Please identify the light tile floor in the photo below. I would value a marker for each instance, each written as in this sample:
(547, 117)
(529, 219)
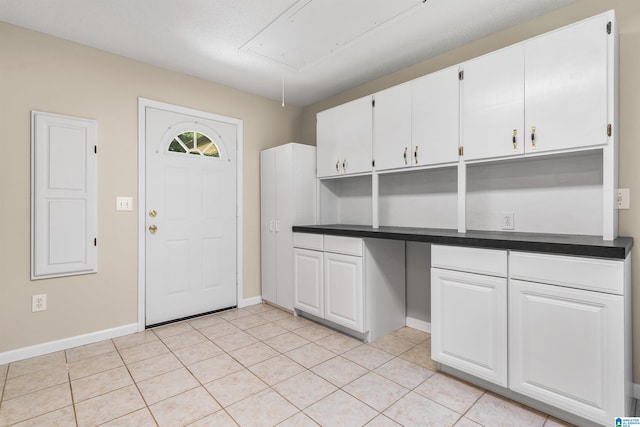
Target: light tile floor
(256, 366)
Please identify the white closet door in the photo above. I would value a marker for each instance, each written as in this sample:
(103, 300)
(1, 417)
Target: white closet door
(64, 195)
(285, 208)
(268, 223)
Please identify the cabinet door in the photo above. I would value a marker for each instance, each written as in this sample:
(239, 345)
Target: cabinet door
(344, 296)
(392, 128)
(435, 117)
(469, 323)
(566, 86)
(493, 104)
(566, 348)
(285, 206)
(268, 224)
(308, 281)
(344, 138)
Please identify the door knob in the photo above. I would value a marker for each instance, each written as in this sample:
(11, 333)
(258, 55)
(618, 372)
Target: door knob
(153, 229)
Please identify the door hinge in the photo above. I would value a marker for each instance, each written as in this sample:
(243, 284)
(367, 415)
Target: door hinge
(460, 151)
(95, 242)
(373, 102)
(461, 75)
(609, 27)
(609, 130)
(373, 163)
(95, 149)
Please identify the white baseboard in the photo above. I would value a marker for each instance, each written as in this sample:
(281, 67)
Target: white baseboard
(66, 343)
(420, 325)
(249, 301)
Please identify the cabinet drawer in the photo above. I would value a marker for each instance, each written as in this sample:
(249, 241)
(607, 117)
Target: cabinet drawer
(592, 274)
(308, 241)
(484, 261)
(343, 245)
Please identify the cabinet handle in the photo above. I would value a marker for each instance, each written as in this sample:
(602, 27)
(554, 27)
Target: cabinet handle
(533, 137)
(415, 155)
(338, 166)
(272, 225)
(344, 165)
(405, 155)
(515, 143)
(278, 226)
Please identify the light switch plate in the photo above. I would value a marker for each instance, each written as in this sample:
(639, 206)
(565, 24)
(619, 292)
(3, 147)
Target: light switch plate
(124, 203)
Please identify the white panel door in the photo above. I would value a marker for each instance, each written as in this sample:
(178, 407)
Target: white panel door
(566, 348)
(566, 86)
(493, 104)
(64, 196)
(344, 138)
(344, 293)
(308, 281)
(268, 224)
(191, 215)
(469, 323)
(392, 128)
(435, 117)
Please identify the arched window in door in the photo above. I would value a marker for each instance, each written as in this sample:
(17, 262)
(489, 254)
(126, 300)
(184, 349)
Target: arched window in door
(193, 142)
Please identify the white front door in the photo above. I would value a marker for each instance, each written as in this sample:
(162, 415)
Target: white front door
(190, 215)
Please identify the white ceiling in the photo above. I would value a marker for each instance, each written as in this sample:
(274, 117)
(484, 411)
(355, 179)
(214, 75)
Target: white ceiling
(317, 47)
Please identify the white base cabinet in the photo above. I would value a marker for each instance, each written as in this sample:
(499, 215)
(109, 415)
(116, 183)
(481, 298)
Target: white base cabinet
(568, 347)
(356, 285)
(287, 198)
(469, 313)
(568, 319)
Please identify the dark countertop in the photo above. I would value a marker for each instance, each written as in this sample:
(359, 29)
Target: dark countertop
(563, 244)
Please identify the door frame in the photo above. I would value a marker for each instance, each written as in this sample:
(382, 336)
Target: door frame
(143, 103)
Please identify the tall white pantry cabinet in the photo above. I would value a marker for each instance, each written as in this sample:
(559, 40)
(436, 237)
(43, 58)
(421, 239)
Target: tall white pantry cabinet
(288, 197)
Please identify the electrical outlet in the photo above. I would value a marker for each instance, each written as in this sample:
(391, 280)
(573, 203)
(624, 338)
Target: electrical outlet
(38, 302)
(622, 198)
(506, 221)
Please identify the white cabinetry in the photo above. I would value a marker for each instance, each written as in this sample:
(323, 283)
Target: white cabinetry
(435, 117)
(493, 104)
(344, 138)
(469, 311)
(567, 88)
(553, 92)
(392, 128)
(568, 346)
(288, 197)
(354, 284)
(416, 123)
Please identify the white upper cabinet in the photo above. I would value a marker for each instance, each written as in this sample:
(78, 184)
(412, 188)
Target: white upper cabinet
(493, 104)
(416, 123)
(345, 135)
(435, 117)
(566, 86)
(550, 93)
(392, 128)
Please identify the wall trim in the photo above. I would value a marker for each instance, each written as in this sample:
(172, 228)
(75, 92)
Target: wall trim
(66, 343)
(245, 302)
(420, 325)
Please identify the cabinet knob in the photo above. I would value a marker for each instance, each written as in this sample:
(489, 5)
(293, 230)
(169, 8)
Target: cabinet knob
(415, 155)
(344, 165)
(533, 137)
(515, 142)
(405, 155)
(338, 166)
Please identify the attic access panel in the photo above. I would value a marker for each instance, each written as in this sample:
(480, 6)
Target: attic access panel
(311, 30)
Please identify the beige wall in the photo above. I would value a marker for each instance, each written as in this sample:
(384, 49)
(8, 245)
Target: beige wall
(628, 19)
(38, 72)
